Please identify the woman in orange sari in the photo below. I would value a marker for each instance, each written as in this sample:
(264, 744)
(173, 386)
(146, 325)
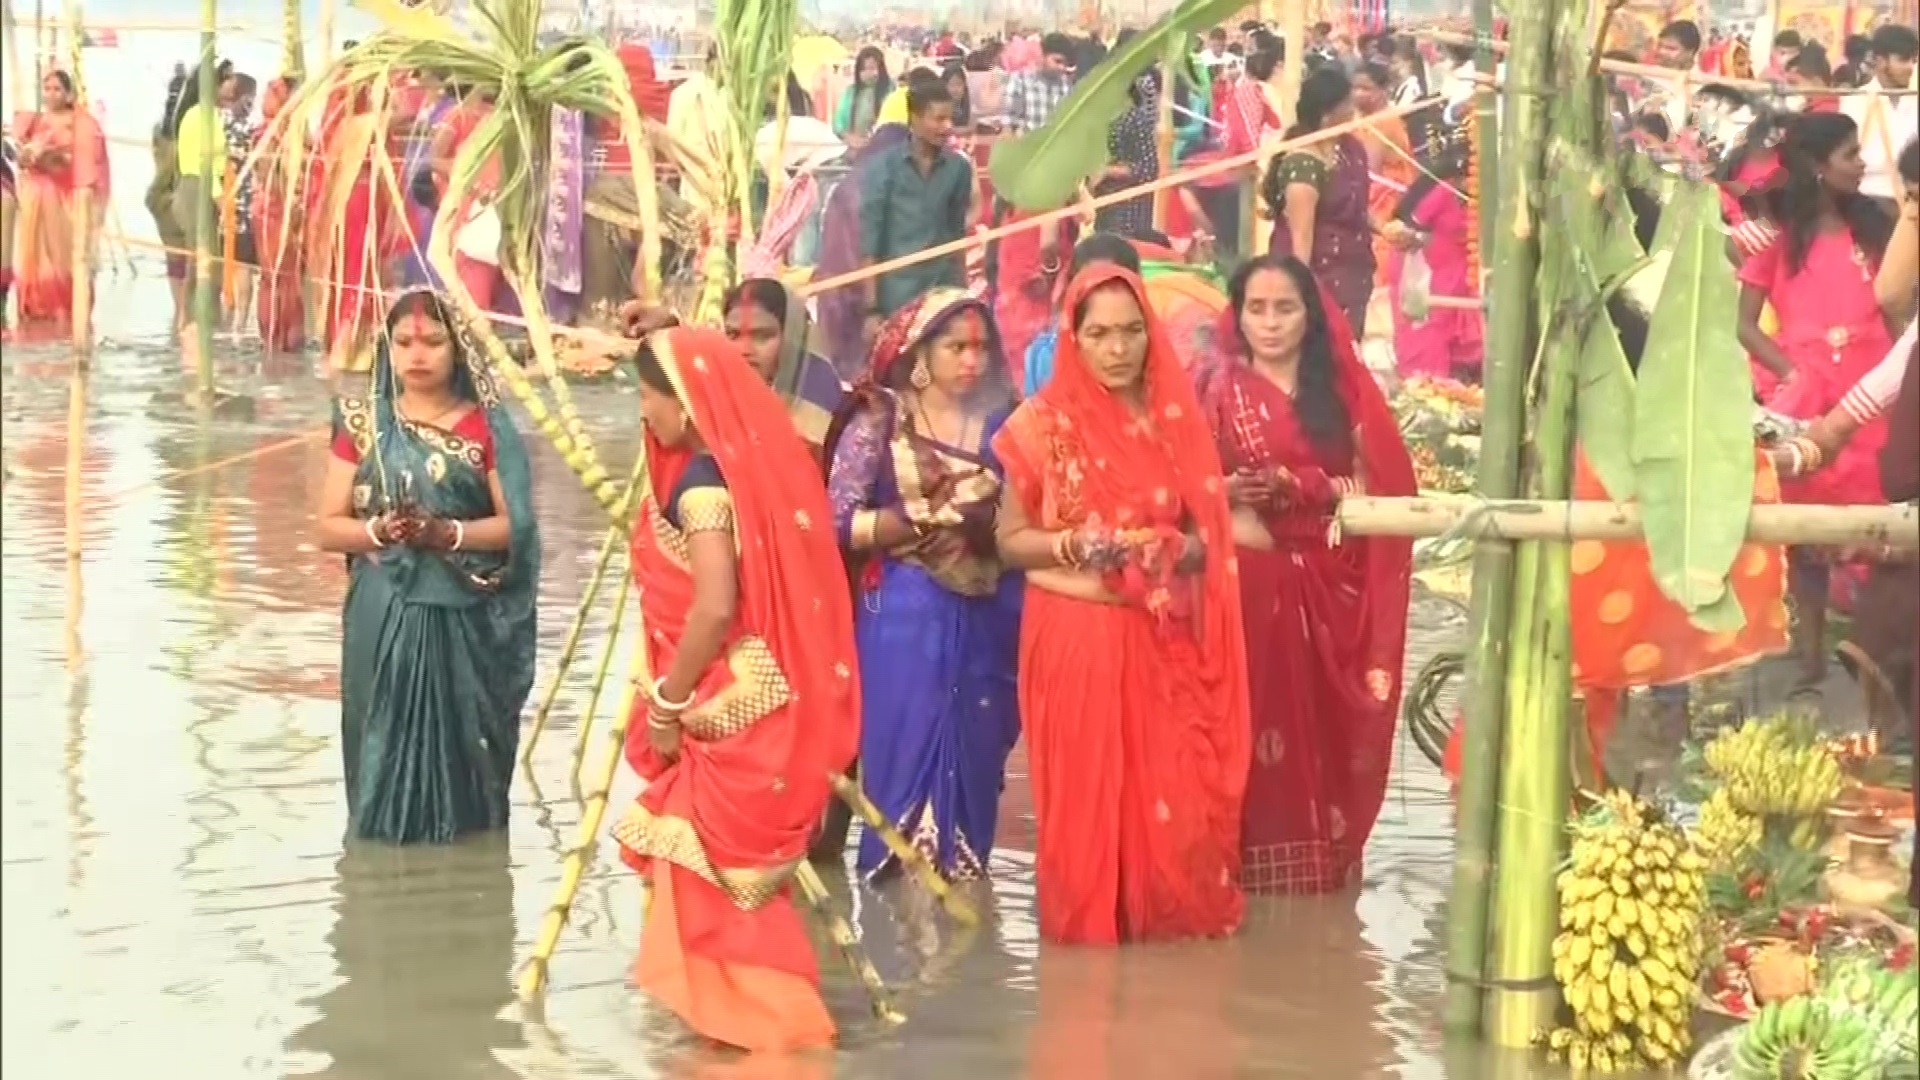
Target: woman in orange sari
(1389, 158)
(279, 307)
(1133, 671)
(61, 151)
(756, 701)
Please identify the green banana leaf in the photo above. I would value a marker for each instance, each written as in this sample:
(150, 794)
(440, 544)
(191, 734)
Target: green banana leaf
(1043, 169)
(1692, 435)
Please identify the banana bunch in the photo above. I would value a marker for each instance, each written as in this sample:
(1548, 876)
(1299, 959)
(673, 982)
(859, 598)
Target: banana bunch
(1810, 1038)
(1770, 769)
(1890, 999)
(1726, 834)
(1631, 906)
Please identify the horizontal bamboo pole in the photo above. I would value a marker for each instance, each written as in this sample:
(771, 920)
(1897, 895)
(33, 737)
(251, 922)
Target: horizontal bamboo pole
(1895, 527)
(1661, 74)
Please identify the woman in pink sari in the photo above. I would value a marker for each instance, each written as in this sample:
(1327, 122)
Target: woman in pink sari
(1433, 222)
(1818, 276)
(62, 152)
(1300, 423)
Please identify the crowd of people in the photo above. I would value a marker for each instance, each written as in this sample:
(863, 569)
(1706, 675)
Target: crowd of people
(962, 505)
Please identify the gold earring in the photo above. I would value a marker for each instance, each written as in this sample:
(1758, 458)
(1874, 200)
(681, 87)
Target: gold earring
(921, 376)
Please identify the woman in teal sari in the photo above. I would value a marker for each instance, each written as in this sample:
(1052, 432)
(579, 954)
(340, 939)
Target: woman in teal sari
(430, 498)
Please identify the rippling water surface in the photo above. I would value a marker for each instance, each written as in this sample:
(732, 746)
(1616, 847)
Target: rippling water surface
(178, 902)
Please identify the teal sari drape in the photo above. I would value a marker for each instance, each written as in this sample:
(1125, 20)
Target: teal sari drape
(438, 647)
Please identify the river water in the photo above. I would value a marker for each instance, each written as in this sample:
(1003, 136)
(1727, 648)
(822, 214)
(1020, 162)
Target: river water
(177, 893)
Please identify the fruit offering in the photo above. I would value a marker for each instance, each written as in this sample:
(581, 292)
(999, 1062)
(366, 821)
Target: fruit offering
(1860, 1026)
(1631, 904)
(1768, 768)
(1726, 834)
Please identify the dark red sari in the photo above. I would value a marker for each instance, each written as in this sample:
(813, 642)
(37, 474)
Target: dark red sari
(1321, 619)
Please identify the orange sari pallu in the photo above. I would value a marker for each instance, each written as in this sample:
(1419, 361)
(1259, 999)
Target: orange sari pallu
(719, 830)
(1132, 684)
(1627, 633)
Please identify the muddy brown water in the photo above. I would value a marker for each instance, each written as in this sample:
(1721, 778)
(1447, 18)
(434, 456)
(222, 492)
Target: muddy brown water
(178, 901)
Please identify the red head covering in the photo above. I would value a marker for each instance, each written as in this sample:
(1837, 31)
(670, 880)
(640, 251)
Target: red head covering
(1118, 462)
(753, 797)
(650, 95)
(1384, 467)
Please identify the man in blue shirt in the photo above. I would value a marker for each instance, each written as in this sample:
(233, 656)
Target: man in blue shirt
(917, 196)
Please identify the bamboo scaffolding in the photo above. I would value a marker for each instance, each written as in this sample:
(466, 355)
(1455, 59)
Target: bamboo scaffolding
(80, 220)
(608, 545)
(1897, 528)
(533, 977)
(592, 708)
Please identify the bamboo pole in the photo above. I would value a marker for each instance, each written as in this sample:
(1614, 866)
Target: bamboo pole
(203, 237)
(910, 857)
(572, 644)
(815, 892)
(293, 49)
(608, 545)
(1163, 132)
(1896, 528)
(10, 48)
(80, 220)
(1515, 251)
(599, 680)
(533, 977)
(1486, 138)
(325, 33)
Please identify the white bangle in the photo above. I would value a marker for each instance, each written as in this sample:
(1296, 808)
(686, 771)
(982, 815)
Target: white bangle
(660, 701)
(374, 536)
(459, 534)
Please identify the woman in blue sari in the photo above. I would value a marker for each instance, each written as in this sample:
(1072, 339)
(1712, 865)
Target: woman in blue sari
(430, 498)
(914, 487)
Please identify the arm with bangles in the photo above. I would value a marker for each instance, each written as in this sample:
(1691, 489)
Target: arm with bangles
(342, 532)
(708, 524)
(853, 483)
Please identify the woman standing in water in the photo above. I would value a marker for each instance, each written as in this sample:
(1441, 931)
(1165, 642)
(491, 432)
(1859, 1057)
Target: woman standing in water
(914, 488)
(755, 700)
(61, 151)
(1318, 195)
(1133, 671)
(430, 498)
(1300, 423)
(768, 322)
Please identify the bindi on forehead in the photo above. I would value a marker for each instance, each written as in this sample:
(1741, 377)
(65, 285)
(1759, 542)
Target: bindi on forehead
(419, 325)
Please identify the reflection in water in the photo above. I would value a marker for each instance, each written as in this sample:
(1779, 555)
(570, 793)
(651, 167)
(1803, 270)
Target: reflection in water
(423, 945)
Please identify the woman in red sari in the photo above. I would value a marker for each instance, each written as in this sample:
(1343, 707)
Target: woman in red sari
(756, 701)
(61, 151)
(279, 307)
(1300, 423)
(1133, 673)
(350, 233)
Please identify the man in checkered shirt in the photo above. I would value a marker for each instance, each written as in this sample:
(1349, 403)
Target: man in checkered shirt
(1033, 95)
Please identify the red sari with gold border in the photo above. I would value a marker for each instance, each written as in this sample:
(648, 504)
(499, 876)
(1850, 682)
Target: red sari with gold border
(721, 829)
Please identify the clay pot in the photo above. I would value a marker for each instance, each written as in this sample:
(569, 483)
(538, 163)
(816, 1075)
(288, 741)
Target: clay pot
(1869, 879)
(1778, 972)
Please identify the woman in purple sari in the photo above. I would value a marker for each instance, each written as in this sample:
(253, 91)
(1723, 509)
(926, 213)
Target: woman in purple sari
(914, 486)
(843, 312)
(1317, 196)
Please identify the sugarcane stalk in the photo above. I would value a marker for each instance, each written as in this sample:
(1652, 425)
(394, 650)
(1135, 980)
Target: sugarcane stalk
(911, 857)
(293, 49)
(592, 592)
(815, 892)
(1516, 252)
(599, 679)
(533, 977)
(1484, 167)
(80, 221)
(203, 284)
